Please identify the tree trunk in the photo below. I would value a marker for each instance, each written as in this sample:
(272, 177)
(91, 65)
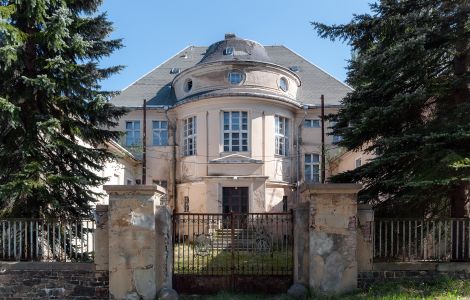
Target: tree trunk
(458, 209)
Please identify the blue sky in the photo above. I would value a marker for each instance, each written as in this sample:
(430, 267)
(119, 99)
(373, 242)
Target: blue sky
(155, 30)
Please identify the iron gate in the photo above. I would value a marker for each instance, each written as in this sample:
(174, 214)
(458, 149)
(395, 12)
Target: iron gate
(246, 252)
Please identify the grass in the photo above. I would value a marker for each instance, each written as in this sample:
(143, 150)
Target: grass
(442, 288)
(218, 261)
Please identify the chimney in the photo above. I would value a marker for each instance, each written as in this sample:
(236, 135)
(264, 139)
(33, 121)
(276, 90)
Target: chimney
(230, 36)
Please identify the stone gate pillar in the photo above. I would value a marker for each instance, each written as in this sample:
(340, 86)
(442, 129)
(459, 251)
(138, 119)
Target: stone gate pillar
(132, 241)
(332, 236)
(365, 250)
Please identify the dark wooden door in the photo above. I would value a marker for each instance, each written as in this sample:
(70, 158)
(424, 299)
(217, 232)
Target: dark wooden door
(235, 200)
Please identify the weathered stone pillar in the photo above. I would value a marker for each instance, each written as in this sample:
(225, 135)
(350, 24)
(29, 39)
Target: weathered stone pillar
(132, 241)
(365, 250)
(301, 244)
(332, 236)
(164, 247)
(101, 238)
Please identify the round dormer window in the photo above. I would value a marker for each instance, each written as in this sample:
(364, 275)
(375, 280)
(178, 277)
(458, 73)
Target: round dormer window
(283, 84)
(188, 85)
(235, 77)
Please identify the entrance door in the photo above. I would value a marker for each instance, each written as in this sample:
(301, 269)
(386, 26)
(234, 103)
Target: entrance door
(235, 200)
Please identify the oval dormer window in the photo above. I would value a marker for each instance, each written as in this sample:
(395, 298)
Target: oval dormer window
(283, 84)
(188, 85)
(228, 51)
(235, 77)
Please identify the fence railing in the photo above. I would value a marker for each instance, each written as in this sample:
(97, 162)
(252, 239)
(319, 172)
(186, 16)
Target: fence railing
(46, 240)
(421, 240)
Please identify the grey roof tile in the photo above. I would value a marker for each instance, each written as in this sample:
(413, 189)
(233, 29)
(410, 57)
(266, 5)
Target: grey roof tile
(155, 86)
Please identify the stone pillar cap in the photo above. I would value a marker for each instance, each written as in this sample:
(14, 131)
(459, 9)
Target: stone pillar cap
(331, 188)
(134, 189)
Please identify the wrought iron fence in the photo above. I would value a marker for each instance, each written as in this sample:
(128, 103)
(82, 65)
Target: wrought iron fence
(234, 243)
(46, 240)
(421, 240)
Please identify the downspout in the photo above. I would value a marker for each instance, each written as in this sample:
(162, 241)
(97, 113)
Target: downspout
(263, 126)
(323, 139)
(172, 127)
(207, 143)
(144, 145)
(299, 140)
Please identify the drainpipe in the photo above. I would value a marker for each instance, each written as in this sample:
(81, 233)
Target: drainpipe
(322, 139)
(144, 145)
(263, 127)
(207, 143)
(299, 165)
(172, 127)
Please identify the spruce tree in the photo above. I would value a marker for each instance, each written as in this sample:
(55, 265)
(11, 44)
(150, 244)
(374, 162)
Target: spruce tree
(54, 117)
(410, 105)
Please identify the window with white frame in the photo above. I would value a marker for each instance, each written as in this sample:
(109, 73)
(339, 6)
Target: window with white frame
(336, 138)
(189, 136)
(312, 123)
(312, 167)
(358, 162)
(282, 135)
(235, 131)
(160, 133)
(132, 133)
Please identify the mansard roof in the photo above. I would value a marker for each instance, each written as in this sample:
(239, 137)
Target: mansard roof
(155, 86)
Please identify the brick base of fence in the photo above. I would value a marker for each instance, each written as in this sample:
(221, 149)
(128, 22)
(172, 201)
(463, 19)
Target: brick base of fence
(389, 272)
(28, 281)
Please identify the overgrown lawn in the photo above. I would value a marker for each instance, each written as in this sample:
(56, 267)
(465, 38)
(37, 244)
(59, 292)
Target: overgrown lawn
(442, 288)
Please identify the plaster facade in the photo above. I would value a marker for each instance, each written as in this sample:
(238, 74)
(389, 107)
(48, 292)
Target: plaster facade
(277, 132)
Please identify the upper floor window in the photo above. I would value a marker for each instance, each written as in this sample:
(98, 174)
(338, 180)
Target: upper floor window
(189, 136)
(312, 123)
(282, 135)
(160, 133)
(358, 162)
(235, 131)
(132, 133)
(312, 167)
(336, 138)
(235, 77)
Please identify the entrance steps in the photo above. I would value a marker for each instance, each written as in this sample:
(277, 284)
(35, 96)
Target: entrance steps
(243, 239)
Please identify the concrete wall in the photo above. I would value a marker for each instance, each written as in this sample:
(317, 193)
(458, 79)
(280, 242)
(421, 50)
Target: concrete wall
(32, 280)
(332, 238)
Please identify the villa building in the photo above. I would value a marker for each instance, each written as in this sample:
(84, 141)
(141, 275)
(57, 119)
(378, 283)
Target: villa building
(231, 127)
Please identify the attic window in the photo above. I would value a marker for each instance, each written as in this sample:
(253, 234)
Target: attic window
(188, 85)
(175, 70)
(228, 51)
(235, 77)
(294, 68)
